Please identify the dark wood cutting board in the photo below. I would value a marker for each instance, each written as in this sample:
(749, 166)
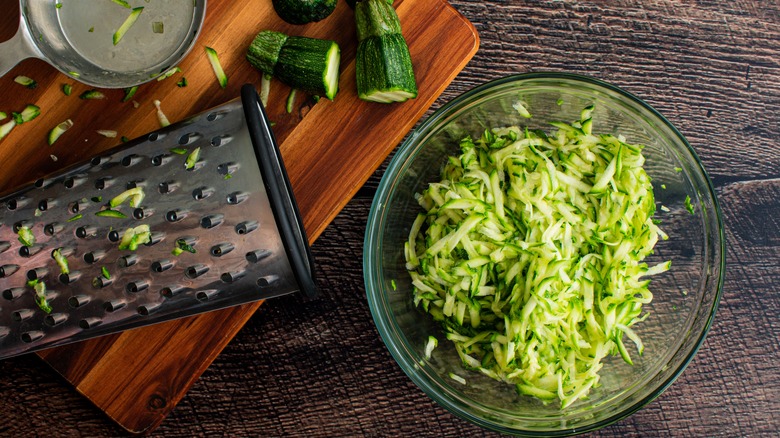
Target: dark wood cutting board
(330, 149)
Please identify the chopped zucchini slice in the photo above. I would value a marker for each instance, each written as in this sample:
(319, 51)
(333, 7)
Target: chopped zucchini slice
(58, 130)
(129, 22)
(26, 236)
(26, 81)
(217, 67)
(92, 95)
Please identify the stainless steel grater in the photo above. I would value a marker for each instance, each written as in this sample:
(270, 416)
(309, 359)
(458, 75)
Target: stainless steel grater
(223, 229)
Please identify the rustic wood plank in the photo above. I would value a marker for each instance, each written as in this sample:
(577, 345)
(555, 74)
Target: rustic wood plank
(318, 368)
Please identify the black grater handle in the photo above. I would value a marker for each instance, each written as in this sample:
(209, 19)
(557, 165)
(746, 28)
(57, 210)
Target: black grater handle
(280, 194)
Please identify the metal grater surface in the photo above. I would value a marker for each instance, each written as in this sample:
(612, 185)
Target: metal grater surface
(219, 207)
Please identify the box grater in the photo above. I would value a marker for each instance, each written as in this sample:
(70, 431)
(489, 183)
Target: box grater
(191, 218)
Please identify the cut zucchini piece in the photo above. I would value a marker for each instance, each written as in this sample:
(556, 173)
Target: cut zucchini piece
(161, 117)
(129, 22)
(40, 296)
(107, 133)
(304, 11)
(26, 236)
(123, 3)
(58, 130)
(26, 81)
(383, 64)
(192, 159)
(217, 67)
(129, 93)
(168, 73)
(6, 128)
(308, 64)
(135, 195)
(61, 260)
(67, 89)
(111, 213)
(28, 113)
(92, 95)
(290, 101)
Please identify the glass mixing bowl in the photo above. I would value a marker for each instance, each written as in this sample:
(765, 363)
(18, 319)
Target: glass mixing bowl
(685, 298)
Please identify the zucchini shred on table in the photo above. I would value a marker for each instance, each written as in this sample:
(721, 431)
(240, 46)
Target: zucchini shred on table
(530, 254)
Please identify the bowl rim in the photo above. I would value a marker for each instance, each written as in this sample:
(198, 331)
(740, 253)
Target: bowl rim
(371, 279)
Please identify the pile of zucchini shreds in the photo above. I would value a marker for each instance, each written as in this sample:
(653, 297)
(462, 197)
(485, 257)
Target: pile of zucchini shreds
(530, 254)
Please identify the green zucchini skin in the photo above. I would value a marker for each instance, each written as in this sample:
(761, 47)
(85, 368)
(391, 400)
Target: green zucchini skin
(304, 11)
(383, 65)
(308, 64)
(263, 53)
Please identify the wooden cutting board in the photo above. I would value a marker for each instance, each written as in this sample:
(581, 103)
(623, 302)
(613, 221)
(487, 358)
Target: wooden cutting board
(330, 149)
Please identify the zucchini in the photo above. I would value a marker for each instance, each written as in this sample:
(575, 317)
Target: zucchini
(58, 130)
(308, 64)
(511, 246)
(6, 128)
(211, 54)
(67, 89)
(304, 11)
(383, 65)
(27, 82)
(129, 22)
(161, 117)
(61, 260)
(3, 115)
(92, 95)
(351, 3)
(26, 236)
(28, 113)
(129, 93)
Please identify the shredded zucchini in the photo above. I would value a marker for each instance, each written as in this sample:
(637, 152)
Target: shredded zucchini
(530, 254)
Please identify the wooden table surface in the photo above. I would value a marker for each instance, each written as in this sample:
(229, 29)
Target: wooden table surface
(318, 367)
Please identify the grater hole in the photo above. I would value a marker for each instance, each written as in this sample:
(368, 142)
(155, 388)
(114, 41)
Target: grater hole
(237, 197)
(196, 271)
(212, 221)
(4, 246)
(70, 277)
(114, 305)
(220, 140)
(23, 223)
(88, 323)
(153, 136)
(4, 331)
(189, 138)
(32, 336)
(13, 293)
(103, 183)
(13, 204)
(268, 280)
(22, 315)
(55, 319)
(148, 309)
(37, 273)
(215, 116)
(137, 286)
(140, 213)
(227, 168)
(162, 265)
(128, 260)
(205, 295)
(101, 282)
(8, 270)
(257, 255)
(161, 159)
(77, 301)
(221, 249)
(167, 187)
(38, 183)
(44, 204)
(76, 206)
(155, 238)
(131, 160)
(175, 215)
(52, 229)
(96, 161)
(230, 277)
(86, 231)
(29, 251)
(171, 291)
(94, 256)
(202, 193)
(135, 184)
(73, 181)
(246, 227)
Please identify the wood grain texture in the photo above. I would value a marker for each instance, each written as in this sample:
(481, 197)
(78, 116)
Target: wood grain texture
(319, 369)
(137, 377)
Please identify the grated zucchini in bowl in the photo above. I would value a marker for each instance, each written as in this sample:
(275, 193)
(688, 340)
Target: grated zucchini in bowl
(530, 254)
